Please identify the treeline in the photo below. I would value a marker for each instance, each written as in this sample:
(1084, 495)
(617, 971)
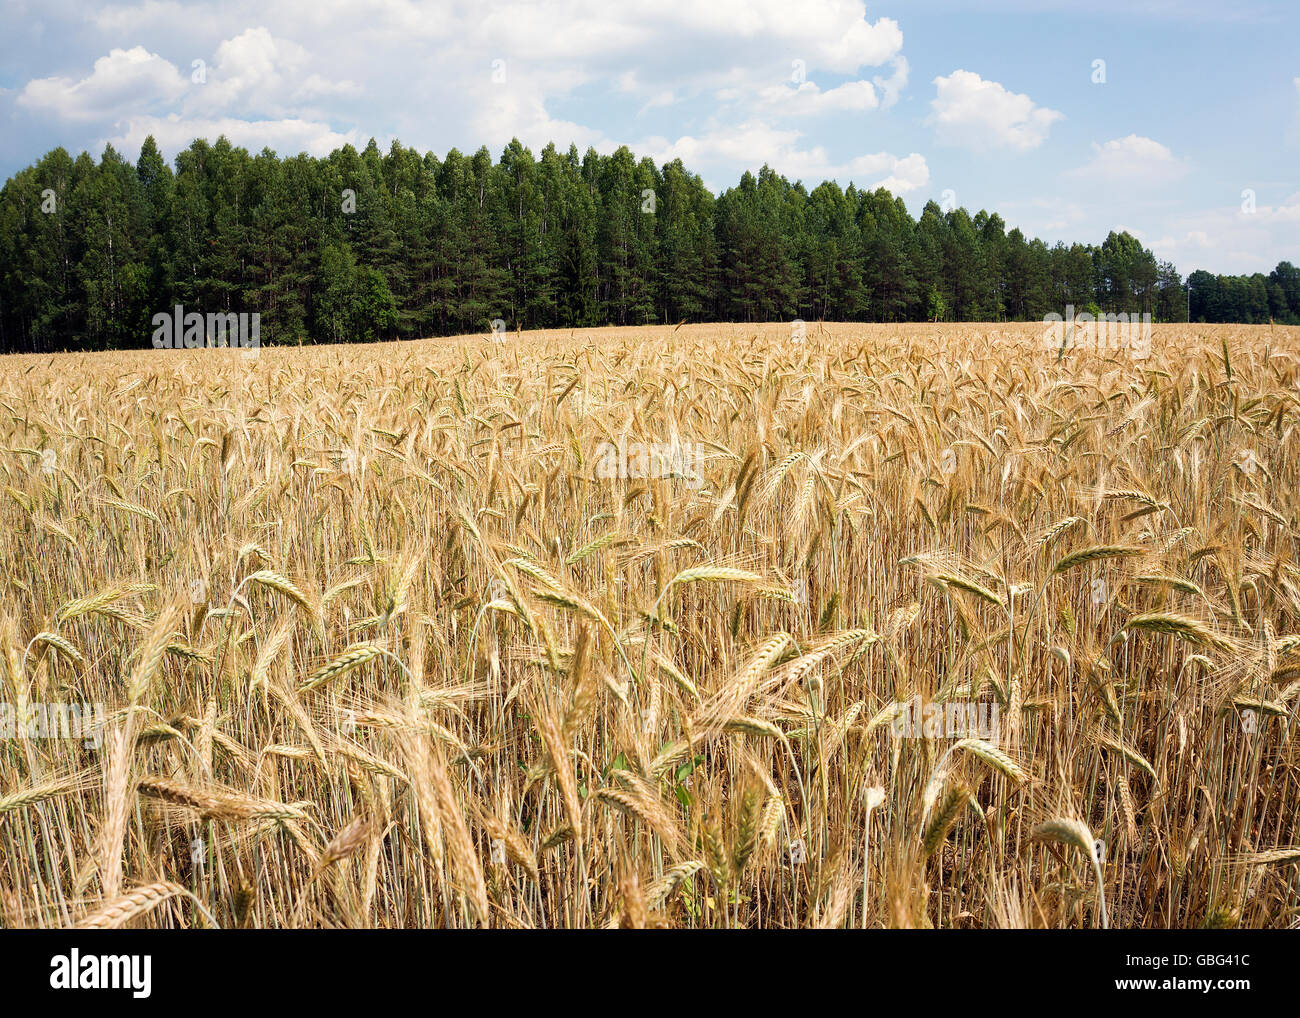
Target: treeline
(362, 246)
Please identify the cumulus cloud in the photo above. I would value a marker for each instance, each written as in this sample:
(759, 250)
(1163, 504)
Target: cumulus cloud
(507, 114)
(808, 99)
(253, 66)
(973, 113)
(125, 79)
(1132, 161)
(251, 90)
(909, 173)
(892, 87)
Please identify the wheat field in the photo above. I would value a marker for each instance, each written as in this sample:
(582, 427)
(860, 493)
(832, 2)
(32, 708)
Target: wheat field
(387, 636)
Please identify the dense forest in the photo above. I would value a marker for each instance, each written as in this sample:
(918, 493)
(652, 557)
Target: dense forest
(362, 246)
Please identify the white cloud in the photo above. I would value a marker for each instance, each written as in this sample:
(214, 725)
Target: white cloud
(252, 66)
(1163, 247)
(834, 35)
(258, 73)
(808, 99)
(1132, 161)
(754, 144)
(308, 74)
(893, 86)
(252, 73)
(664, 98)
(861, 44)
(315, 87)
(286, 137)
(505, 113)
(973, 113)
(126, 78)
(748, 145)
(909, 173)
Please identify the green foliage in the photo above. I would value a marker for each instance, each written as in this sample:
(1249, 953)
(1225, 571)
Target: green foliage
(936, 306)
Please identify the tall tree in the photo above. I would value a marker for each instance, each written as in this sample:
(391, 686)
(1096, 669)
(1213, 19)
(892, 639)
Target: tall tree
(366, 245)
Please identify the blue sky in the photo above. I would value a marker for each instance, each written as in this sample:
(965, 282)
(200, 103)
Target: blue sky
(991, 105)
